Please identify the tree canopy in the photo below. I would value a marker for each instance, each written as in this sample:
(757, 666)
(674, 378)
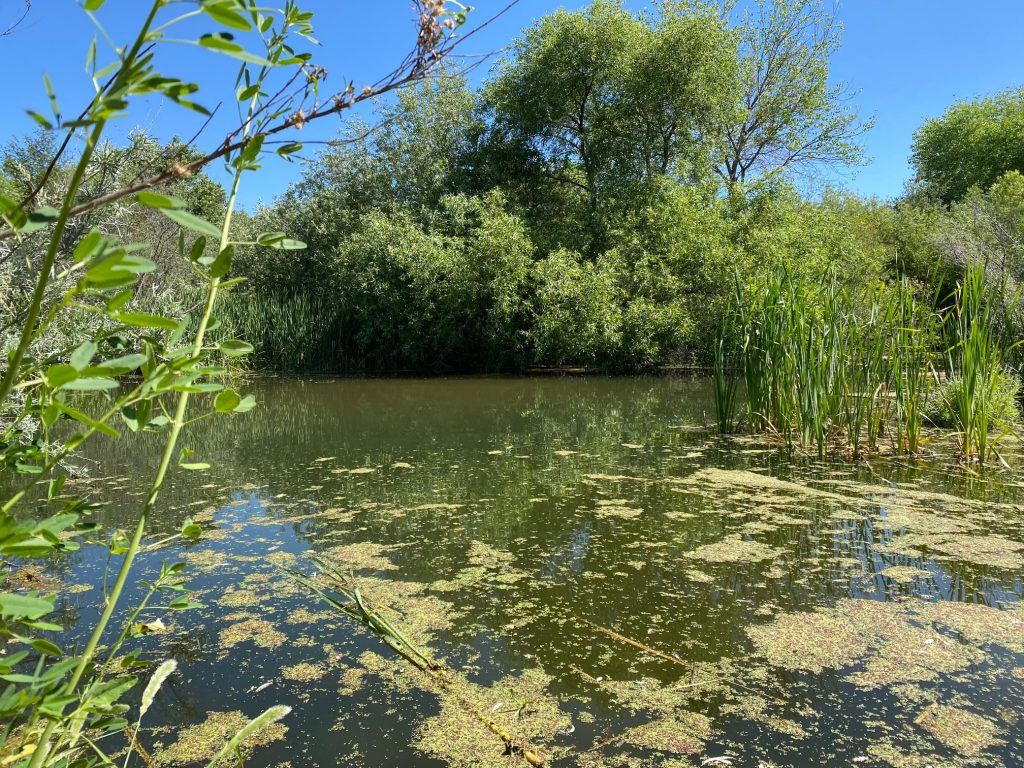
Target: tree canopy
(971, 145)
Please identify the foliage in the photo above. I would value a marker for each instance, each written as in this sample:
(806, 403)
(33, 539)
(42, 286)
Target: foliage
(601, 103)
(790, 116)
(1004, 401)
(447, 291)
(971, 145)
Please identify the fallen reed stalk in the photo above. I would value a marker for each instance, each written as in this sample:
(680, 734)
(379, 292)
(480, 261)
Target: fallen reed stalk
(359, 609)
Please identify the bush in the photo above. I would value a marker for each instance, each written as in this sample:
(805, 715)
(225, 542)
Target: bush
(1003, 403)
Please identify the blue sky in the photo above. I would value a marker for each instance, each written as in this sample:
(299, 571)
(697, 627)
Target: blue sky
(908, 60)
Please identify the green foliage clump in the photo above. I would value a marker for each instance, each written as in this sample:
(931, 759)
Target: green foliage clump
(1003, 401)
(970, 146)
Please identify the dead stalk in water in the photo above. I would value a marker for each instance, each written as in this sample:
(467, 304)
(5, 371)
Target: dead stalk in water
(360, 610)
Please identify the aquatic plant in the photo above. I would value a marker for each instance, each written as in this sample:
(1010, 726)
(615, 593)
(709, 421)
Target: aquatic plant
(977, 346)
(826, 370)
(726, 379)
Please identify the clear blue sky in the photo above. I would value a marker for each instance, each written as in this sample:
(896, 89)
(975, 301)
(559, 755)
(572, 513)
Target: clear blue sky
(909, 59)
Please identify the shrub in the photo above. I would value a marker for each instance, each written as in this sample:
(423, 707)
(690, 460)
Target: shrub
(1003, 401)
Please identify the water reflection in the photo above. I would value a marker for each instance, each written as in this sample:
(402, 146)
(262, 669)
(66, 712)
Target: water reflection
(532, 524)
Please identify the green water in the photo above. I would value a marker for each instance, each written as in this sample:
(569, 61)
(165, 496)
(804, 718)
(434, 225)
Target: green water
(612, 583)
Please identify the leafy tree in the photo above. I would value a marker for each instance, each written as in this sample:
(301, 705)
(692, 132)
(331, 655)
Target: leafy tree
(971, 145)
(601, 102)
(790, 117)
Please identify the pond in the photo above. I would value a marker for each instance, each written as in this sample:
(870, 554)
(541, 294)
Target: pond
(611, 582)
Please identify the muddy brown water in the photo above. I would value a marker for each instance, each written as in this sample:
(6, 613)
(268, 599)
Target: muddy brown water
(612, 583)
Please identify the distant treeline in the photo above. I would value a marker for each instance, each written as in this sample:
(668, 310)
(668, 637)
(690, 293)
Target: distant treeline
(595, 202)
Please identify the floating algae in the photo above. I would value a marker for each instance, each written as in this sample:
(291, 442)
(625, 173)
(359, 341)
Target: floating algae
(733, 549)
(710, 478)
(365, 555)
(617, 508)
(520, 704)
(967, 733)
(889, 642)
(304, 672)
(904, 574)
(196, 743)
(259, 631)
(680, 734)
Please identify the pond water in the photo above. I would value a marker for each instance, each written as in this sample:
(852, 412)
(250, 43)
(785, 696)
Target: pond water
(610, 581)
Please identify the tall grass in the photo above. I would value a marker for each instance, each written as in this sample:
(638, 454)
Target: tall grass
(828, 370)
(832, 372)
(290, 332)
(726, 381)
(977, 348)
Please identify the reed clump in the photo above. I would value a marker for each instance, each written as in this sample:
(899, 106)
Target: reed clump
(829, 371)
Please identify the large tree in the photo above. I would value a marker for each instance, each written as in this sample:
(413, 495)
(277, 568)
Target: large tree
(791, 117)
(602, 101)
(972, 145)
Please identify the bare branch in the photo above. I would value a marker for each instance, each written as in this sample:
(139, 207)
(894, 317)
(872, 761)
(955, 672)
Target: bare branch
(14, 25)
(434, 45)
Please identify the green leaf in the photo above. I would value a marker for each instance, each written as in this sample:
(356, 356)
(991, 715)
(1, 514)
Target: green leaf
(55, 703)
(222, 45)
(105, 695)
(235, 348)
(47, 125)
(118, 301)
(82, 356)
(24, 606)
(289, 149)
(197, 248)
(119, 269)
(226, 401)
(280, 241)
(45, 646)
(87, 420)
(222, 264)
(247, 93)
(58, 375)
(247, 404)
(191, 221)
(190, 529)
(154, 200)
(223, 13)
(87, 245)
(94, 5)
(40, 218)
(196, 466)
(119, 366)
(89, 384)
(119, 543)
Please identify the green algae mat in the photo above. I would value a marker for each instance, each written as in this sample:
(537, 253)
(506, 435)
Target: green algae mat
(605, 578)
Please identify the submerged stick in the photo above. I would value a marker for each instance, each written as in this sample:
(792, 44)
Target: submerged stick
(674, 659)
(635, 643)
(444, 678)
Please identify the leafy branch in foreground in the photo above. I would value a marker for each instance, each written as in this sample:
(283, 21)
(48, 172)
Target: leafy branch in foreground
(57, 708)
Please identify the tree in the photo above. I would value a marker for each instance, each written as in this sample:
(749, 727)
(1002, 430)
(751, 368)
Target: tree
(971, 145)
(601, 102)
(790, 116)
